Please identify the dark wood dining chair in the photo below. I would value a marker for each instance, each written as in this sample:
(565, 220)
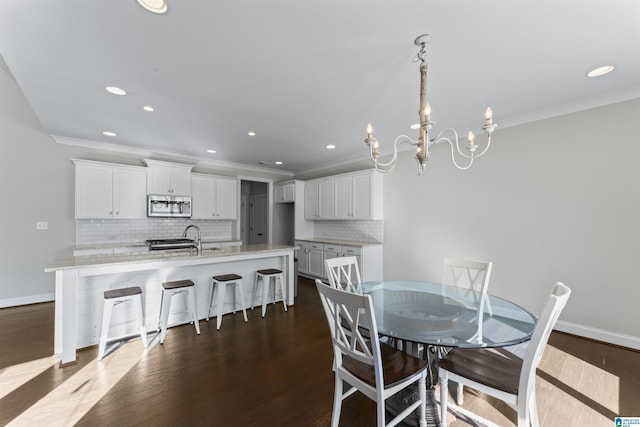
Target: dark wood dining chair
(375, 369)
(501, 374)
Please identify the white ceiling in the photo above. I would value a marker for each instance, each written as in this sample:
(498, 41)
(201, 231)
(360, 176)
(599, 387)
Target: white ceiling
(305, 74)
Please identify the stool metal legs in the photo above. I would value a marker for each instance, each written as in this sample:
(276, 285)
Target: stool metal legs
(165, 307)
(110, 302)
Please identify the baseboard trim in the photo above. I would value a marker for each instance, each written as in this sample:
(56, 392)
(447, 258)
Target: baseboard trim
(32, 299)
(599, 334)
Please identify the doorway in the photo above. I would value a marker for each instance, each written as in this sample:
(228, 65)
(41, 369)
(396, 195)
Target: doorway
(254, 212)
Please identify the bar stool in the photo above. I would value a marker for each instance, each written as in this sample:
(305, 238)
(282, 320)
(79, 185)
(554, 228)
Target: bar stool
(169, 289)
(266, 275)
(221, 282)
(111, 299)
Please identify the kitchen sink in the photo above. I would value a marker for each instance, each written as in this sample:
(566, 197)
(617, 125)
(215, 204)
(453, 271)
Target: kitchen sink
(164, 244)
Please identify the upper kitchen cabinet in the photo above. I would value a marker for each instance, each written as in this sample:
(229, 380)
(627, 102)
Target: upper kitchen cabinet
(359, 196)
(319, 199)
(109, 191)
(168, 178)
(352, 196)
(214, 197)
(285, 192)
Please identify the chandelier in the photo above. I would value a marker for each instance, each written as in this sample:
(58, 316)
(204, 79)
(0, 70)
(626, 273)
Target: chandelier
(424, 141)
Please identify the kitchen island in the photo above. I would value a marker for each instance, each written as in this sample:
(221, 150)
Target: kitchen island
(82, 280)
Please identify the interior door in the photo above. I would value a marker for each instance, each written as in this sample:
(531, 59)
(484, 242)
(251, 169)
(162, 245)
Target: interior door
(258, 230)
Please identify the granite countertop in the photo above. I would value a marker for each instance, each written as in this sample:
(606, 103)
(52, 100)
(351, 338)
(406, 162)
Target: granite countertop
(140, 244)
(155, 256)
(337, 242)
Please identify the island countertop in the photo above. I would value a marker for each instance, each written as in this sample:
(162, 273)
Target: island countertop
(88, 261)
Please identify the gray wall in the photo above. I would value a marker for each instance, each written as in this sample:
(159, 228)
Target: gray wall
(553, 200)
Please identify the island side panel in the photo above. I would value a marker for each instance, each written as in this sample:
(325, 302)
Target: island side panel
(65, 337)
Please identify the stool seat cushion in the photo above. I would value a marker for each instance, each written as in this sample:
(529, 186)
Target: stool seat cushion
(226, 277)
(177, 284)
(123, 292)
(269, 271)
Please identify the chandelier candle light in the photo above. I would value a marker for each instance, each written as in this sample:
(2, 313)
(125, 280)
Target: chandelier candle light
(423, 142)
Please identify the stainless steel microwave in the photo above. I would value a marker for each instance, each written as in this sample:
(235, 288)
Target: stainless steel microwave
(160, 205)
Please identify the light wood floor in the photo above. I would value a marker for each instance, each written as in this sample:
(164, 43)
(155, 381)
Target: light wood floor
(274, 371)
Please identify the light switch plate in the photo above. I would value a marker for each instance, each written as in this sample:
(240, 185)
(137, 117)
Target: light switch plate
(42, 225)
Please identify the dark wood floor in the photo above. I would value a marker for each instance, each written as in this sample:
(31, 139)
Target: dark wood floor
(276, 371)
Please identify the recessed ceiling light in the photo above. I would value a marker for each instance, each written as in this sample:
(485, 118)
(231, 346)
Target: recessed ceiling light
(147, 108)
(109, 133)
(330, 147)
(251, 133)
(415, 126)
(211, 151)
(115, 90)
(155, 6)
(600, 71)
(277, 163)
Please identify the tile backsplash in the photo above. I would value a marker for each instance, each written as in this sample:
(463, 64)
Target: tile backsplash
(100, 231)
(361, 231)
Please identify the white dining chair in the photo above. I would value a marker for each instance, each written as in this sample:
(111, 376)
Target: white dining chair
(470, 275)
(501, 374)
(375, 369)
(343, 273)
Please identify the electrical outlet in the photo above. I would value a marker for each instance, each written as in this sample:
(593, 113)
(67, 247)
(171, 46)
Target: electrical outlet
(42, 225)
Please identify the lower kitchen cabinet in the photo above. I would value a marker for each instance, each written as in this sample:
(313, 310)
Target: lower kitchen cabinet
(312, 254)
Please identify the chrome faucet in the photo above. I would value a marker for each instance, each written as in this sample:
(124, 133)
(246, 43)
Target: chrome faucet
(198, 241)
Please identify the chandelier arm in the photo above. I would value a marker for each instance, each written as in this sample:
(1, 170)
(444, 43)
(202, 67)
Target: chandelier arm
(485, 148)
(402, 139)
(438, 139)
(453, 154)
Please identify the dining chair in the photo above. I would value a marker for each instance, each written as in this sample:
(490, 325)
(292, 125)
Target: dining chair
(375, 369)
(343, 273)
(499, 373)
(470, 275)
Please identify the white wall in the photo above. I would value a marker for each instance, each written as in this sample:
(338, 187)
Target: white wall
(553, 200)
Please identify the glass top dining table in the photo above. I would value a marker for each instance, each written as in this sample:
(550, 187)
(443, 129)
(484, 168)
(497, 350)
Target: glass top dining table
(446, 316)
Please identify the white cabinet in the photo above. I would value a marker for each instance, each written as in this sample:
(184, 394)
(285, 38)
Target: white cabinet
(312, 255)
(319, 200)
(168, 178)
(316, 259)
(359, 196)
(310, 258)
(285, 192)
(302, 255)
(109, 191)
(353, 196)
(214, 197)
